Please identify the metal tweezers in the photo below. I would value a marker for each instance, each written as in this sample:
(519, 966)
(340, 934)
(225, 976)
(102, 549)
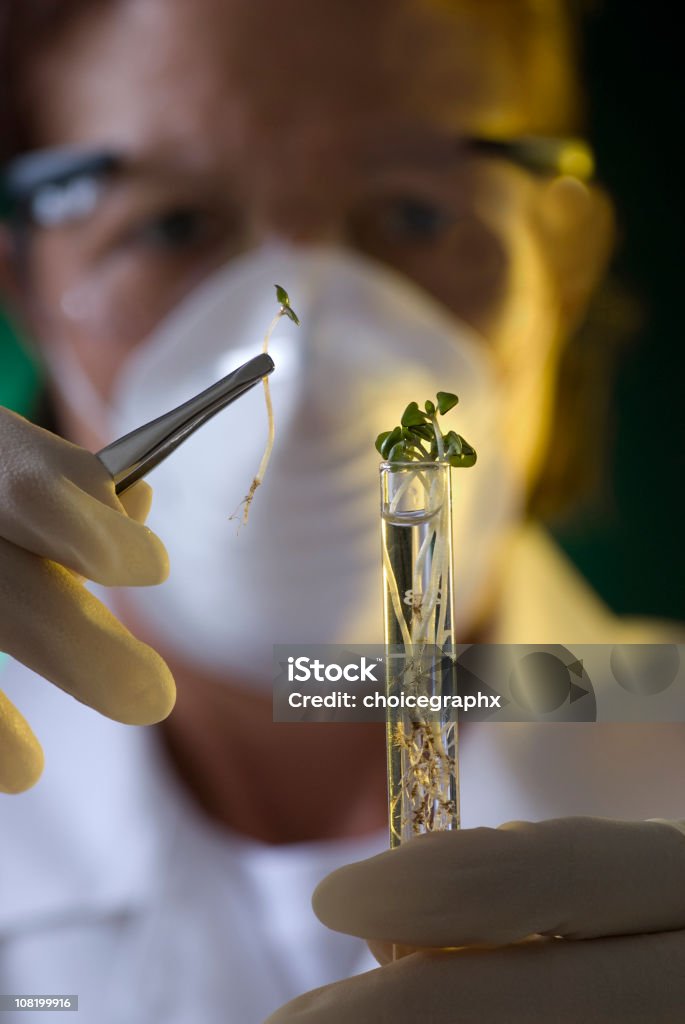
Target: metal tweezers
(135, 454)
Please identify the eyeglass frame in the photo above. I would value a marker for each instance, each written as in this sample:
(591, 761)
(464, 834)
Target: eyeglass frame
(24, 178)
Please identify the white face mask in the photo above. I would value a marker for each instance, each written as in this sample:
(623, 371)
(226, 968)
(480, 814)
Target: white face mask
(306, 568)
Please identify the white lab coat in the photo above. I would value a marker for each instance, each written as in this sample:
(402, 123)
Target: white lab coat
(114, 887)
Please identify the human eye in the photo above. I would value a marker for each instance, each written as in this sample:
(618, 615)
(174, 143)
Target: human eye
(410, 219)
(176, 228)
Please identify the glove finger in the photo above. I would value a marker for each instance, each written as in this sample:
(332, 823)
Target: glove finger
(21, 756)
(57, 628)
(382, 951)
(387, 952)
(578, 877)
(137, 501)
(58, 501)
(632, 980)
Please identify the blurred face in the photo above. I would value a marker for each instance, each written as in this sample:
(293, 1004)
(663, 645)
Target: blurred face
(312, 122)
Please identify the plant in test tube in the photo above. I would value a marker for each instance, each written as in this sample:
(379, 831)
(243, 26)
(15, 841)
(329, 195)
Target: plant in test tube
(419, 630)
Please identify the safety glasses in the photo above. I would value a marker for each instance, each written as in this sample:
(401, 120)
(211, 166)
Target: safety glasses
(48, 187)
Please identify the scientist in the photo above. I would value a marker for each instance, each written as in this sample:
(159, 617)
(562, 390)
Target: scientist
(404, 170)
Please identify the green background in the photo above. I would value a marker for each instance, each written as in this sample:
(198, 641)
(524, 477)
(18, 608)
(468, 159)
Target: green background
(630, 545)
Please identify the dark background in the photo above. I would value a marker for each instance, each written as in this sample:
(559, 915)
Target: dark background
(628, 542)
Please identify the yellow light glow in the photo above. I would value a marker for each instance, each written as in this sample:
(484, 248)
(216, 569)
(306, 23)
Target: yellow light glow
(576, 160)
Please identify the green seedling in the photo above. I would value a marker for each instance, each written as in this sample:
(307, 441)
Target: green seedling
(284, 310)
(418, 438)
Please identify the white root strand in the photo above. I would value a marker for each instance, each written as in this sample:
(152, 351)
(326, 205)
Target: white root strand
(259, 476)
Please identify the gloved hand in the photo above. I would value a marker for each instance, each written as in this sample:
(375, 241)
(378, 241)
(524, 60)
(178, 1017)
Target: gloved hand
(613, 890)
(60, 520)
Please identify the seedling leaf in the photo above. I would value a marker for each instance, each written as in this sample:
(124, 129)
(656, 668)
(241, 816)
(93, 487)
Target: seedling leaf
(284, 299)
(446, 401)
(405, 443)
(398, 453)
(381, 439)
(412, 416)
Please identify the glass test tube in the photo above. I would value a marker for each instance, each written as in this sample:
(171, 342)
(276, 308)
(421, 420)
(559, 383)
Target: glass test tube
(416, 514)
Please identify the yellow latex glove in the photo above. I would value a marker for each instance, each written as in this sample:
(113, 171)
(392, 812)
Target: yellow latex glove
(60, 520)
(614, 891)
